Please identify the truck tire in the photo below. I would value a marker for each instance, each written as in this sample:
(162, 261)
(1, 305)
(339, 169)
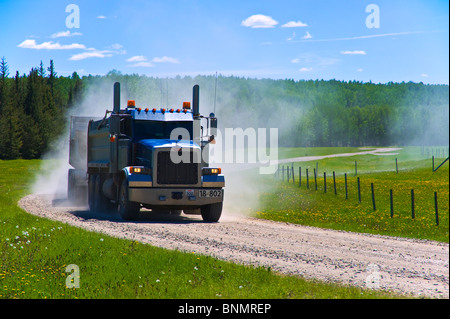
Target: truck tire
(101, 202)
(127, 210)
(76, 194)
(212, 212)
(91, 192)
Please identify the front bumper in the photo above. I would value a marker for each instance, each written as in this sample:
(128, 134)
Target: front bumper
(183, 198)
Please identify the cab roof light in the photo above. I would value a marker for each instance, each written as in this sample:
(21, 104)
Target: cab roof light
(131, 103)
(186, 105)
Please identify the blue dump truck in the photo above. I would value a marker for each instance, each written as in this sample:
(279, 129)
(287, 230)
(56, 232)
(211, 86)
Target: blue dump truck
(154, 158)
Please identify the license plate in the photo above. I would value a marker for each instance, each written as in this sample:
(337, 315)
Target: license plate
(210, 193)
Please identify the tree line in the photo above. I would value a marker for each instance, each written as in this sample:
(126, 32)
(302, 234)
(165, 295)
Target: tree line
(34, 107)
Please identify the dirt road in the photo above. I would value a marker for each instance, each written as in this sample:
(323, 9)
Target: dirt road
(407, 266)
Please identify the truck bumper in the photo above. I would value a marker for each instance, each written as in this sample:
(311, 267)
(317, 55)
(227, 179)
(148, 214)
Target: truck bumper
(183, 198)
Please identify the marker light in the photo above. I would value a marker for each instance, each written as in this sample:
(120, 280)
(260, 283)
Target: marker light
(178, 110)
(163, 111)
(146, 110)
(131, 103)
(154, 110)
(171, 110)
(211, 171)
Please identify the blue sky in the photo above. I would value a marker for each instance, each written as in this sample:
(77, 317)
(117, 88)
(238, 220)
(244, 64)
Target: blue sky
(301, 39)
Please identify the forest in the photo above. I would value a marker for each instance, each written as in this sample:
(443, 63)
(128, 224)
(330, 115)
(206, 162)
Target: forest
(35, 107)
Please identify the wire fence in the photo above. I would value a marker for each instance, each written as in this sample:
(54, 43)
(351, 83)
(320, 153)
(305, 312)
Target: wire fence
(310, 180)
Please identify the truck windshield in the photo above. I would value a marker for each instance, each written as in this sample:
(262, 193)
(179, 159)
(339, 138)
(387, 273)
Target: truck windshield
(159, 129)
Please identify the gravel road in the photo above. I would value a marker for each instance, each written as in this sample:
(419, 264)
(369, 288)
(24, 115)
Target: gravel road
(420, 268)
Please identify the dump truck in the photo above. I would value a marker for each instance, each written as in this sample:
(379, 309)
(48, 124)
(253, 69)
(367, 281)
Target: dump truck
(153, 158)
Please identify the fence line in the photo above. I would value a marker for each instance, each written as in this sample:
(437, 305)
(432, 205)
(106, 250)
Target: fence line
(290, 172)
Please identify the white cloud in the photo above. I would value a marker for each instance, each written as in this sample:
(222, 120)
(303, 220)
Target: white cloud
(292, 37)
(137, 58)
(64, 34)
(101, 17)
(305, 69)
(143, 64)
(424, 75)
(359, 70)
(356, 52)
(307, 36)
(92, 53)
(295, 61)
(31, 44)
(166, 59)
(259, 21)
(116, 46)
(293, 24)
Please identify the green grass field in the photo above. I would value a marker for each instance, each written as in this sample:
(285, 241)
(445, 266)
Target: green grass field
(34, 254)
(290, 203)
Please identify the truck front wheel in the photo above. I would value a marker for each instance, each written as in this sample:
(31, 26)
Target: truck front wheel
(211, 213)
(128, 210)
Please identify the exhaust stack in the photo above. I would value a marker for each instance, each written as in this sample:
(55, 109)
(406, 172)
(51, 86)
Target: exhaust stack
(116, 107)
(195, 100)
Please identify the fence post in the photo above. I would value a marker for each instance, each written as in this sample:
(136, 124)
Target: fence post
(346, 189)
(299, 176)
(436, 208)
(359, 191)
(293, 177)
(282, 172)
(396, 165)
(373, 197)
(334, 183)
(392, 203)
(413, 213)
(315, 178)
(356, 168)
(288, 173)
(324, 182)
(433, 162)
(307, 179)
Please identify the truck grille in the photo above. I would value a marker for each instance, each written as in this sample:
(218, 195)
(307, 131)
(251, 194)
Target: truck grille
(170, 173)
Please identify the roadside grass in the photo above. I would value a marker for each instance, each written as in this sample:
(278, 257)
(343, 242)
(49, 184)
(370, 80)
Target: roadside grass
(34, 254)
(294, 204)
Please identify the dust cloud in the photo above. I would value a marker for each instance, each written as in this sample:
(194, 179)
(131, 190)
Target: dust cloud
(242, 181)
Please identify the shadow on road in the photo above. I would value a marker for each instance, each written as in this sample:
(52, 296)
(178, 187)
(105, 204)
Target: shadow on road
(145, 216)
